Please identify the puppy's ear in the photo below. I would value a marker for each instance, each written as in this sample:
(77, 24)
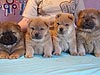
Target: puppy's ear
(79, 13)
(17, 26)
(0, 24)
(46, 23)
(49, 22)
(71, 17)
(29, 21)
(98, 11)
(57, 16)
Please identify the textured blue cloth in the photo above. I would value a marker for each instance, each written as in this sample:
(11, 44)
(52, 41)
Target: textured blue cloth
(57, 65)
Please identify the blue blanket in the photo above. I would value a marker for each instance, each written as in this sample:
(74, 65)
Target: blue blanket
(57, 65)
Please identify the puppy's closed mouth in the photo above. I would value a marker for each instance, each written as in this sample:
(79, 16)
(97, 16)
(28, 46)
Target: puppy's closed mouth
(88, 30)
(88, 25)
(38, 38)
(60, 32)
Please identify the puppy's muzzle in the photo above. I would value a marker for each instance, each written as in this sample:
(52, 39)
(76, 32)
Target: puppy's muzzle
(8, 38)
(37, 36)
(88, 24)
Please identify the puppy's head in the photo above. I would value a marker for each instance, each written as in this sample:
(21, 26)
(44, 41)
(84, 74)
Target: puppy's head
(64, 23)
(88, 20)
(10, 33)
(38, 29)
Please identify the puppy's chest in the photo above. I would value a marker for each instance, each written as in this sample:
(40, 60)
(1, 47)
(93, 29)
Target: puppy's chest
(88, 41)
(38, 48)
(64, 44)
(63, 40)
(86, 37)
(10, 48)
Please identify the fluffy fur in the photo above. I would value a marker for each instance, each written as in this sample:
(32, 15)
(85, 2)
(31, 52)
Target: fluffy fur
(88, 32)
(11, 41)
(64, 35)
(38, 38)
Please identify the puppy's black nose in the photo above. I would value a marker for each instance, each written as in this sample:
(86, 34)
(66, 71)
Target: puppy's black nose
(36, 34)
(61, 29)
(86, 20)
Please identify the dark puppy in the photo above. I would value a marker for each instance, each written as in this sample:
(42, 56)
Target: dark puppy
(11, 41)
(88, 32)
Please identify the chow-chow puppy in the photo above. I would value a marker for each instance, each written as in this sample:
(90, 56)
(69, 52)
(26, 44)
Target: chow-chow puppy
(38, 38)
(11, 41)
(64, 35)
(88, 32)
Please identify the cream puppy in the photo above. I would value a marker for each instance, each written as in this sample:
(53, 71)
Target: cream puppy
(38, 38)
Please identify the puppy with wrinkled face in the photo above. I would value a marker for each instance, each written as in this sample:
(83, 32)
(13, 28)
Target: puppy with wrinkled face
(64, 36)
(38, 38)
(11, 41)
(88, 32)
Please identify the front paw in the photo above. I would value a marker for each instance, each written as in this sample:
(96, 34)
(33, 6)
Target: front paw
(57, 53)
(29, 56)
(47, 55)
(74, 53)
(14, 56)
(97, 54)
(4, 56)
(81, 53)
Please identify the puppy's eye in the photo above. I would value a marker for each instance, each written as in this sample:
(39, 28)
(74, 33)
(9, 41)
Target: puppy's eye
(14, 32)
(93, 17)
(83, 17)
(67, 25)
(41, 28)
(33, 28)
(58, 23)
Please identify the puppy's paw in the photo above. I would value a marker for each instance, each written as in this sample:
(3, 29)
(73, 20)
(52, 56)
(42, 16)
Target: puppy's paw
(4, 56)
(47, 56)
(28, 56)
(74, 53)
(57, 53)
(14, 56)
(81, 53)
(97, 54)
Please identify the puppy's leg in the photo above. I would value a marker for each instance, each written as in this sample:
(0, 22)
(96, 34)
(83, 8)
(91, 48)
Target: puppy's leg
(73, 47)
(29, 51)
(4, 55)
(57, 48)
(97, 48)
(17, 54)
(81, 49)
(48, 48)
(72, 43)
(19, 50)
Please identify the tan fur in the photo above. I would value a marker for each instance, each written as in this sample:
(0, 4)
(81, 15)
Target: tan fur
(15, 50)
(38, 46)
(88, 39)
(67, 40)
